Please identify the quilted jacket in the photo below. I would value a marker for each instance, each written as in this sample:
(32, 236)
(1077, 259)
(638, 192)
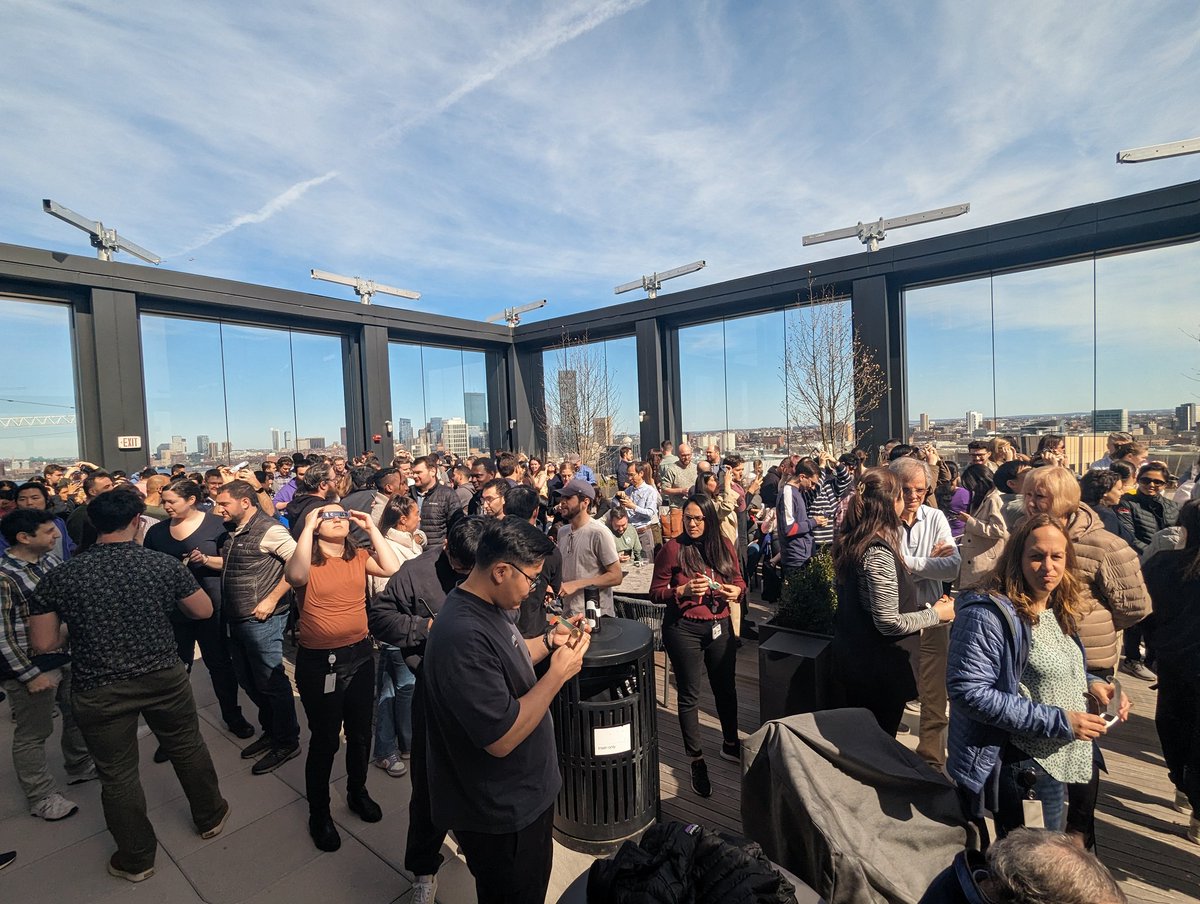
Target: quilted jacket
(989, 646)
(1114, 594)
(1150, 514)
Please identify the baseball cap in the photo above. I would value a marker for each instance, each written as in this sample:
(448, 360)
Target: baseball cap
(578, 488)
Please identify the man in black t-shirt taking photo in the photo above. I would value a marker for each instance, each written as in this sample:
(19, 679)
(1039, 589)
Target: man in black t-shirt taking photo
(493, 768)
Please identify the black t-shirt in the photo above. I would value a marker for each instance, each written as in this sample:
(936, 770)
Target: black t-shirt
(476, 668)
(532, 620)
(209, 537)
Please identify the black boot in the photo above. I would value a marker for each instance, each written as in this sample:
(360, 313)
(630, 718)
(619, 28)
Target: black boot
(324, 833)
(360, 803)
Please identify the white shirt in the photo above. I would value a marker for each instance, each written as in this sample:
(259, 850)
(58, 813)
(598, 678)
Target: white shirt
(917, 542)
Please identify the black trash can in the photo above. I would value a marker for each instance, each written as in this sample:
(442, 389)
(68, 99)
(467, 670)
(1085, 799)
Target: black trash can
(605, 725)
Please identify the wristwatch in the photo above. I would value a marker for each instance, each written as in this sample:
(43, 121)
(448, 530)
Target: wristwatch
(546, 639)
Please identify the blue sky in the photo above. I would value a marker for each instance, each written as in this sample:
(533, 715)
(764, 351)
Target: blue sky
(491, 154)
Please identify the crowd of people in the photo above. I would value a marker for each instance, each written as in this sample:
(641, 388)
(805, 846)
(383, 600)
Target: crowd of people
(1003, 598)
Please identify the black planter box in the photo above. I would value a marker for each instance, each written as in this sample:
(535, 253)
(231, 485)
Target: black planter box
(794, 672)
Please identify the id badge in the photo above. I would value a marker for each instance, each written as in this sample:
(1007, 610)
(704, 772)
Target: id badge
(716, 630)
(331, 678)
(1035, 817)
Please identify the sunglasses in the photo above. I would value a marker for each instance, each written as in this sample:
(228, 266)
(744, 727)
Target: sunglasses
(1152, 482)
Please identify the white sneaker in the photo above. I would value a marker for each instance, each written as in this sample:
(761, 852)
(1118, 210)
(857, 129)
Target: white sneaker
(53, 807)
(394, 766)
(1181, 804)
(424, 890)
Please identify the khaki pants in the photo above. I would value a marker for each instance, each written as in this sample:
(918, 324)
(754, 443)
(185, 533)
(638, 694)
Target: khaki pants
(34, 715)
(931, 686)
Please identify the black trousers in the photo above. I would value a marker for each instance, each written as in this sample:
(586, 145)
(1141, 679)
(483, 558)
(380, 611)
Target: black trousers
(1177, 718)
(210, 634)
(512, 868)
(351, 703)
(423, 849)
(693, 651)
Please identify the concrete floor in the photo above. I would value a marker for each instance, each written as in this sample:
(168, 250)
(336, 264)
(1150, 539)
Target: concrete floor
(264, 854)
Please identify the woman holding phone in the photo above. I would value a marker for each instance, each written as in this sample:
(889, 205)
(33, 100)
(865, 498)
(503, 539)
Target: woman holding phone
(1020, 731)
(697, 576)
(335, 673)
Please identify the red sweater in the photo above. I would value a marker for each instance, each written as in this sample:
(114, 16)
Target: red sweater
(669, 574)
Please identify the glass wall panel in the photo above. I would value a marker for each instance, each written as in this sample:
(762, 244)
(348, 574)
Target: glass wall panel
(221, 393)
(702, 381)
(37, 382)
(439, 399)
(1148, 350)
(1083, 350)
(591, 401)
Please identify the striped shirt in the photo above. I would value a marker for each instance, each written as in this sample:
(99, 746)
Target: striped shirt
(879, 589)
(18, 581)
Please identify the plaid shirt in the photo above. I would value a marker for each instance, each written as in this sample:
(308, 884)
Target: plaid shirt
(18, 581)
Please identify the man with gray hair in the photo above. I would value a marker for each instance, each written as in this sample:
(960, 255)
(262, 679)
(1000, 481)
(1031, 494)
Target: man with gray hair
(1027, 866)
(931, 555)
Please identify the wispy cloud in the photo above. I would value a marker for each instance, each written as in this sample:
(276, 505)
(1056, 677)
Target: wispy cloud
(281, 201)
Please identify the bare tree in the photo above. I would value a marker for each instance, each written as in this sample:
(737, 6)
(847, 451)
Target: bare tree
(581, 400)
(830, 376)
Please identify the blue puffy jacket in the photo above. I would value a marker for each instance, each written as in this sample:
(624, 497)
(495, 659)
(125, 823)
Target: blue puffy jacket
(989, 646)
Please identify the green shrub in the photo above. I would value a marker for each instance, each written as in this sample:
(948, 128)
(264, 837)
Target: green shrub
(809, 601)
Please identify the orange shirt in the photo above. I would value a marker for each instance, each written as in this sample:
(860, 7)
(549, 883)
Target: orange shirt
(335, 604)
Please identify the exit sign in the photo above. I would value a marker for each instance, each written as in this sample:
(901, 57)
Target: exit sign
(131, 443)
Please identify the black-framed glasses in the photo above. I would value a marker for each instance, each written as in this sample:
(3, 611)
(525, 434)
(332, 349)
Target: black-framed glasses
(1152, 482)
(533, 581)
(693, 519)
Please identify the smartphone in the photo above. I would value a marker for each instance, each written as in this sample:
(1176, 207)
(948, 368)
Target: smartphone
(1112, 712)
(239, 466)
(334, 516)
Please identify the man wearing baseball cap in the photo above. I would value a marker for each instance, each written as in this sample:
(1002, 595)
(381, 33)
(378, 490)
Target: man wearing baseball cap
(589, 553)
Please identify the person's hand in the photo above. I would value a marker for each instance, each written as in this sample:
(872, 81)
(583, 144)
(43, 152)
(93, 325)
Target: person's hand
(627, 502)
(264, 610)
(563, 636)
(567, 660)
(941, 550)
(1124, 708)
(730, 592)
(249, 476)
(42, 682)
(697, 586)
(820, 521)
(944, 609)
(196, 557)
(1085, 726)
(360, 519)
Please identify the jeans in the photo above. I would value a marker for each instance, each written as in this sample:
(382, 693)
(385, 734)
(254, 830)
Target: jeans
(256, 650)
(209, 633)
(108, 720)
(1047, 789)
(394, 684)
(423, 848)
(34, 715)
(692, 650)
(349, 704)
(513, 868)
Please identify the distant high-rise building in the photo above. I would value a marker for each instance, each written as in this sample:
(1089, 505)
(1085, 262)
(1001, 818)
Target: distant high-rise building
(202, 443)
(475, 405)
(602, 430)
(924, 422)
(728, 441)
(343, 437)
(214, 450)
(275, 439)
(287, 439)
(568, 397)
(974, 421)
(178, 445)
(1186, 417)
(456, 436)
(434, 428)
(403, 432)
(1110, 420)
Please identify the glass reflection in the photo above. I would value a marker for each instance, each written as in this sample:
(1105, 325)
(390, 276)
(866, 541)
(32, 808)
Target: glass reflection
(591, 401)
(439, 399)
(37, 382)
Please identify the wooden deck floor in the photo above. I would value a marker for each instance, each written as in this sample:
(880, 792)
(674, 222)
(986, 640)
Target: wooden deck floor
(1139, 837)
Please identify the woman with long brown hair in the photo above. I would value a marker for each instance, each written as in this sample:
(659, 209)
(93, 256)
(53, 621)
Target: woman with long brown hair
(697, 576)
(1018, 684)
(877, 634)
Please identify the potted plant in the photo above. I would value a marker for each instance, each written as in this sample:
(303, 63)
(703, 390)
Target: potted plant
(794, 661)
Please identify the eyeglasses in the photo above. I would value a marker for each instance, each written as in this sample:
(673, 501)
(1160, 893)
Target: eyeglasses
(1152, 482)
(693, 519)
(533, 581)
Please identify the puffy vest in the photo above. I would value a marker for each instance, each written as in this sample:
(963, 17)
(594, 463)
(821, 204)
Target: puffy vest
(250, 574)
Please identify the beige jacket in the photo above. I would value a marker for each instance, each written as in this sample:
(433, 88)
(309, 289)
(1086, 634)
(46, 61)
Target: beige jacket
(1114, 594)
(983, 541)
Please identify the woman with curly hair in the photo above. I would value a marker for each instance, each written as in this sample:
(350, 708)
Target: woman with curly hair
(877, 635)
(1018, 687)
